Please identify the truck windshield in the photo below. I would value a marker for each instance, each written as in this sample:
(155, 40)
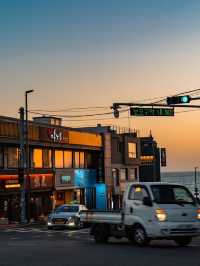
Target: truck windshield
(172, 194)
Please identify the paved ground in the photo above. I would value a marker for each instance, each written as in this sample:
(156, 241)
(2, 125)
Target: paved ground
(38, 246)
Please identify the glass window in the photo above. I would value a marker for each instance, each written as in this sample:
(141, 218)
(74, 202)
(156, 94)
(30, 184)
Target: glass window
(132, 150)
(138, 193)
(115, 175)
(1, 158)
(37, 158)
(59, 159)
(82, 160)
(132, 174)
(67, 159)
(122, 174)
(171, 194)
(12, 157)
(76, 159)
(47, 162)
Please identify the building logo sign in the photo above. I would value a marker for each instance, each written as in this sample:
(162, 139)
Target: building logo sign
(55, 134)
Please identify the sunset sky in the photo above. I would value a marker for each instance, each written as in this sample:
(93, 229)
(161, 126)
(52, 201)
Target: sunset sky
(84, 53)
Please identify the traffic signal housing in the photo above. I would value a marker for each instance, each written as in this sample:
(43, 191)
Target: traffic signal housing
(178, 99)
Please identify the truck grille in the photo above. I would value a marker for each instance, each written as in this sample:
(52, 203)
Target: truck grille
(177, 231)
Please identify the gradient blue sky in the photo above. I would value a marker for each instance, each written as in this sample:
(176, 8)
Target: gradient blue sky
(93, 53)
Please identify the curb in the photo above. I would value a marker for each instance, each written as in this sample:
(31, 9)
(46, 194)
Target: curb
(10, 226)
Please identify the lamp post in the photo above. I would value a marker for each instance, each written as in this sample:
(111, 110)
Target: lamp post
(195, 181)
(27, 154)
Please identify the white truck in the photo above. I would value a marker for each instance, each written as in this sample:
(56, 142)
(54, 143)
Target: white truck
(150, 211)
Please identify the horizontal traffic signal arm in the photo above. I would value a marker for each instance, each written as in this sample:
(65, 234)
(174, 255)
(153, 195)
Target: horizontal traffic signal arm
(118, 105)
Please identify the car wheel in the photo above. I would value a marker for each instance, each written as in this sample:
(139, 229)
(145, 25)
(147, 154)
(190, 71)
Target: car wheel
(140, 236)
(183, 241)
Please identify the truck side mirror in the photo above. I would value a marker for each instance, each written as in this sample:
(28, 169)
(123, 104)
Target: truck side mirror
(147, 202)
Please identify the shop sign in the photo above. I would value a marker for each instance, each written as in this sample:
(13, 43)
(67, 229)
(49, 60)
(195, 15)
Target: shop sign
(41, 181)
(55, 134)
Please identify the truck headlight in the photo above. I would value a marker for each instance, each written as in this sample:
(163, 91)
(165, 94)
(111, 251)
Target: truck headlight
(161, 215)
(198, 214)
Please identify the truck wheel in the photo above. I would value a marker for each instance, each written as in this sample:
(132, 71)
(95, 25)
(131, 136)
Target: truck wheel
(183, 241)
(100, 234)
(140, 236)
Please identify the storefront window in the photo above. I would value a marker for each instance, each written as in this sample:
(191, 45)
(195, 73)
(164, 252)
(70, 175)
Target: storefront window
(132, 150)
(37, 158)
(59, 159)
(12, 157)
(47, 162)
(67, 159)
(122, 174)
(132, 174)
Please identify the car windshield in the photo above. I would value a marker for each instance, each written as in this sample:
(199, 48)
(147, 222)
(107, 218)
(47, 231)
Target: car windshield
(172, 194)
(67, 208)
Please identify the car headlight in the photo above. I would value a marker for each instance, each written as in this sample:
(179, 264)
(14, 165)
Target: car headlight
(198, 214)
(71, 221)
(161, 215)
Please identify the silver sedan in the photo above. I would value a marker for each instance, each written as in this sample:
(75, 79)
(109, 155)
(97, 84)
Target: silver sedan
(66, 216)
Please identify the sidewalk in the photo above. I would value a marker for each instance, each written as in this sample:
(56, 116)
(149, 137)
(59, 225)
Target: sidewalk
(18, 225)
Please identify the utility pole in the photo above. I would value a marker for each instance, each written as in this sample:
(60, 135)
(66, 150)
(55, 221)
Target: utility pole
(21, 176)
(27, 155)
(195, 181)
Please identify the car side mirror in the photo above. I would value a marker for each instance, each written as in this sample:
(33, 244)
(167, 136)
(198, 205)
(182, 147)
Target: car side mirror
(147, 202)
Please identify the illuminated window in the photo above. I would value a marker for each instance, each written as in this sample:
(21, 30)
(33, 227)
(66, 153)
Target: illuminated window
(59, 159)
(47, 162)
(12, 157)
(132, 150)
(37, 158)
(79, 159)
(67, 159)
(82, 159)
(76, 159)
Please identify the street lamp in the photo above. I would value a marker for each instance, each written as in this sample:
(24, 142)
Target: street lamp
(27, 154)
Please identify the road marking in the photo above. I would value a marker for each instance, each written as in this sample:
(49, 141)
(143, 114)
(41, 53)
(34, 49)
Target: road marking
(15, 238)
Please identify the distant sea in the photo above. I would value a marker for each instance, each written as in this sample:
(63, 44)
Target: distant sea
(182, 178)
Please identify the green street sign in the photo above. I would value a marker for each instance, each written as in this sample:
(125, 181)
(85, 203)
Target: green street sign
(140, 111)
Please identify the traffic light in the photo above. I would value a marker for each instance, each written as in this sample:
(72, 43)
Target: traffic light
(178, 99)
(116, 113)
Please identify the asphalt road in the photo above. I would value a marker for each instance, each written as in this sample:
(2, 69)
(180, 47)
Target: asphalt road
(38, 247)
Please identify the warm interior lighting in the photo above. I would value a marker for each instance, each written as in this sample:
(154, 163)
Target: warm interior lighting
(13, 186)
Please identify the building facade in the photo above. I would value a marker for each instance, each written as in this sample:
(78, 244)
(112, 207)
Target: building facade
(63, 168)
(127, 158)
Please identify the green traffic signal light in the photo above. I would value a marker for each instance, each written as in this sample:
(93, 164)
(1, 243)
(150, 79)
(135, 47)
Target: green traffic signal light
(185, 99)
(178, 99)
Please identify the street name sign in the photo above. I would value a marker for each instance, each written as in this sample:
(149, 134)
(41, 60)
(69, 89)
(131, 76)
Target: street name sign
(140, 111)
